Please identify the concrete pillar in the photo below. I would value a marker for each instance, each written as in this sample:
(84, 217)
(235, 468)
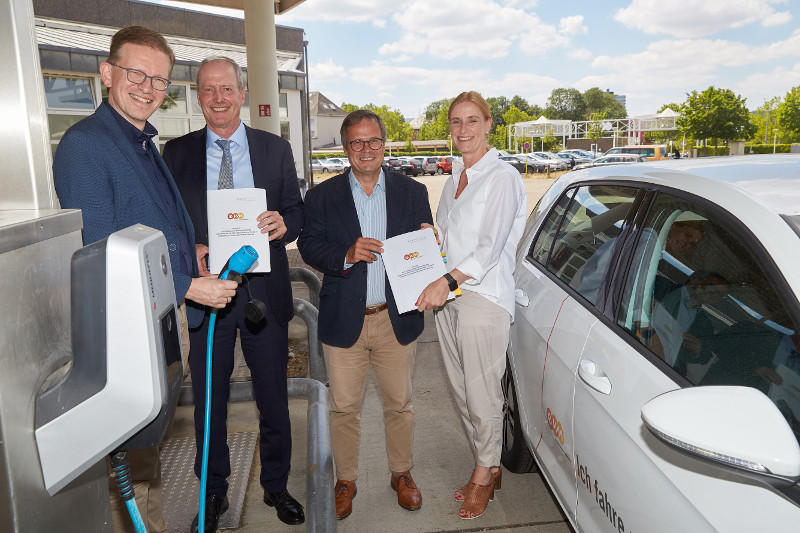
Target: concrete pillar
(262, 65)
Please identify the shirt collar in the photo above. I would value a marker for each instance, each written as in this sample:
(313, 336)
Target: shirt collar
(488, 158)
(131, 132)
(354, 183)
(239, 136)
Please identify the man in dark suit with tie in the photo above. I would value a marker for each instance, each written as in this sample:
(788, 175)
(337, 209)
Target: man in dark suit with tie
(107, 166)
(228, 154)
(347, 217)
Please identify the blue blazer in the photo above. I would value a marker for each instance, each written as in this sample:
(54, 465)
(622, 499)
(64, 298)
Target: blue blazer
(96, 170)
(273, 170)
(331, 227)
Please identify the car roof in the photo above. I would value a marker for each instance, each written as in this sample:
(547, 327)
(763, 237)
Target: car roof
(772, 180)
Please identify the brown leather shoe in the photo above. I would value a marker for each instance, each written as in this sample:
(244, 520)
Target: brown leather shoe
(408, 495)
(345, 491)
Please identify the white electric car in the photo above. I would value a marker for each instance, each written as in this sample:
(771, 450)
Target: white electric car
(653, 370)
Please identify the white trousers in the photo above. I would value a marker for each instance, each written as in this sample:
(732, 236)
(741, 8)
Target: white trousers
(473, 335)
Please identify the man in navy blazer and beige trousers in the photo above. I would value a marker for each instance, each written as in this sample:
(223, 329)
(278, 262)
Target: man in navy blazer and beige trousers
(347, 217)
(262, 160)
(107, 166)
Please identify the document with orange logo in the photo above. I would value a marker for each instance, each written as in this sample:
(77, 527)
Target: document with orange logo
(232, 224)
(412, 260)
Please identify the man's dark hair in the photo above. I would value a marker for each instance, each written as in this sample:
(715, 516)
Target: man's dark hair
(357, 116)
(143, 37)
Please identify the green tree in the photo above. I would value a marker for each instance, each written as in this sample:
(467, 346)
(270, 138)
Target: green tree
(497, 106)
(433, 109)
(599, 101)
(595, 129)
(397, 129)
(436, 129)
(566, 104)
(765, 119)
(499, 137)
(715, 114)
(789, 112)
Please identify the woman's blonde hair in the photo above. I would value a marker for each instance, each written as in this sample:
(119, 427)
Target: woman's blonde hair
(475, 98)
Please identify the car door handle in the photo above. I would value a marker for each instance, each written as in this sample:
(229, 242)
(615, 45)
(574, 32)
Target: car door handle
(521, 298)
(594, 376)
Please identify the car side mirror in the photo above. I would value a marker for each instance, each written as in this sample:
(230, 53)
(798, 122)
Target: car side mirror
(736, 427)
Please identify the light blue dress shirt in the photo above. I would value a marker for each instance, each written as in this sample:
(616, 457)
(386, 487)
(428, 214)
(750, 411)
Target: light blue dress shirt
(372, 218)
(240, 157)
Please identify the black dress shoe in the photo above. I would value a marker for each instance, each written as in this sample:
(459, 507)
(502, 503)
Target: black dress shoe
(215, 507)
(289, 510)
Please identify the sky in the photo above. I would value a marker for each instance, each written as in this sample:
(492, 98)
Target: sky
(407, 54)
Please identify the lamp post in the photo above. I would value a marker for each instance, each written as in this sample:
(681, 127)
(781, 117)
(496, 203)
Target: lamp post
(774, 140)
(450, 143)
(389, 146)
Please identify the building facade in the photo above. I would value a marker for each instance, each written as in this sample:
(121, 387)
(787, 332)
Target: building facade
(74, 37)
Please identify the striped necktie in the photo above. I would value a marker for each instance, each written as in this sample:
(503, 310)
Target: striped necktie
(226, 168)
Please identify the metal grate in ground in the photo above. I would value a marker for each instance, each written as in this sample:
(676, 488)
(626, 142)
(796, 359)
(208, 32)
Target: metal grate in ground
(181, 486)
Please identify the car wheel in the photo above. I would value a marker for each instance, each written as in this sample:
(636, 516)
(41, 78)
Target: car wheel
(514, 454)
(440, 170)
(324, 170)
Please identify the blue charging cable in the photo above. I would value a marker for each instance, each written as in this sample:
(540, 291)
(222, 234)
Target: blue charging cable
(239, 263)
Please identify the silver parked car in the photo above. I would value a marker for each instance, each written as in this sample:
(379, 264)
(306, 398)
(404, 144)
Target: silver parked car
(654, 363)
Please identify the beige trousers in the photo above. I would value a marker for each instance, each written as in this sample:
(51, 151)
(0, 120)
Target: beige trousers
(393, 365)
(473, 336)
(145, 465)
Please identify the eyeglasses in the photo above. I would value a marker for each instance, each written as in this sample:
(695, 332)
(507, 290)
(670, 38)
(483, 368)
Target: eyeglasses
(373, 143)
(138, 77)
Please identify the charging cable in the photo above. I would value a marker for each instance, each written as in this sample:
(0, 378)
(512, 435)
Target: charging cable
(239, 263)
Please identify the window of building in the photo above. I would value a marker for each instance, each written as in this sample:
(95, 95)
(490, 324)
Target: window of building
(69, 99)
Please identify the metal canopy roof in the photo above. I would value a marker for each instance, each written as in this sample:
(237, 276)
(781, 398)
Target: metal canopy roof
(281, 6)
(96, 40)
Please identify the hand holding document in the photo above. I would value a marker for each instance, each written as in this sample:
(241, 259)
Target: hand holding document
(232, 224)
(412, 261)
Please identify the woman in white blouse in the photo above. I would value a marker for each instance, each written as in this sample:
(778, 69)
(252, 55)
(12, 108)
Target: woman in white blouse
(481, 218)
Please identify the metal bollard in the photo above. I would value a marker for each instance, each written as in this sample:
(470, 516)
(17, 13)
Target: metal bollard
(320, 505)
(316, 360)
(310, 279)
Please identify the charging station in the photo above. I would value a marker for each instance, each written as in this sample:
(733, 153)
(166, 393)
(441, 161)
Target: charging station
(89, 341)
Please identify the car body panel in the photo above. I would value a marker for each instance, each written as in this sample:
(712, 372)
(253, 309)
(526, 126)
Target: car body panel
(608, 471)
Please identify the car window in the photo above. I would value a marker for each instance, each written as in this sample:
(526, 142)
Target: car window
(583, 240)
(701, 298)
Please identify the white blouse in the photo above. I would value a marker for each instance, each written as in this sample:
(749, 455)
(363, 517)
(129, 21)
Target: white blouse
(482, 228)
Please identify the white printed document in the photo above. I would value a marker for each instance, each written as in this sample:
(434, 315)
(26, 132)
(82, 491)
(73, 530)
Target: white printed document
(232, 224)
(412, 261)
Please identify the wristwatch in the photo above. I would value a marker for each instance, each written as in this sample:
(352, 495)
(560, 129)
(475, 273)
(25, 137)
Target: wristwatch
(451, 281)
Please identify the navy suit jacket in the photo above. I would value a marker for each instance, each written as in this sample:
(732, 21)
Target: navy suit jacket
(331, 227)
(96, 170)
(273, 170)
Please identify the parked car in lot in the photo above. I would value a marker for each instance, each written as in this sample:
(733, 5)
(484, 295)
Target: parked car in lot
(573, 159)
(514, 162)
(613, 159)
(316, 165)
(560, 164)
(533, 164)
(580, 153)
(653, 371)
(444, 164)
(332, 165)
(411, 167)
(393, 163)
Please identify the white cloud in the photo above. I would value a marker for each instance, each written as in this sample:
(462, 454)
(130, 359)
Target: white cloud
(581, 54)
(690, 18)
(326, 71)
(762, 86)
(476, 28)
(385, 96)
(379, 23)
(572, 25)
(340, 11)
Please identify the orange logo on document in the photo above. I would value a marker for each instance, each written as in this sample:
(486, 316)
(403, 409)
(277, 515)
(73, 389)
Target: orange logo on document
(555, 426)
(412, 255)
(235, 216)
